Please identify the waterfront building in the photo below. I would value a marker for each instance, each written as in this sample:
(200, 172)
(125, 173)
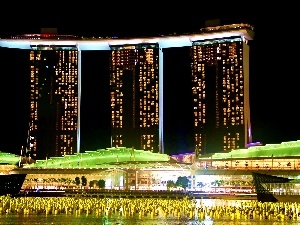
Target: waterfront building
(220, 84)
(220, 72)
(127, 168)
(134, 82)
(54, 98)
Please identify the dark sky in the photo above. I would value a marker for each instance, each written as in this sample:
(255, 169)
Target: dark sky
(274, 91)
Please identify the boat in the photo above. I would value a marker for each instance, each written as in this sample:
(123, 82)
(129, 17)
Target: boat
(275, 188)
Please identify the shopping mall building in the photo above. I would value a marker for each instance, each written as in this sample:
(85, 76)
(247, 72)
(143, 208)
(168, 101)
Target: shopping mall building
(127, 168)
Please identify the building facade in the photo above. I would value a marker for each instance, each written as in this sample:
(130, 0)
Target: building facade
(54, 101)
(220, 77)
(220, 86)
(134, 80)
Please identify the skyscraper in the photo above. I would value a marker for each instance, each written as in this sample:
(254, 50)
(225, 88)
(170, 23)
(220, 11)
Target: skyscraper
(220, 86)
(54, 97)
(220, 77)
(134, 80)
(54, 101)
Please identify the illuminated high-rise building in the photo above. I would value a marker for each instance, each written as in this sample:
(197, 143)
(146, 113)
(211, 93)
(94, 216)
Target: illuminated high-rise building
(53, 101)
(220, 86)
(134, 82)
(54, 97)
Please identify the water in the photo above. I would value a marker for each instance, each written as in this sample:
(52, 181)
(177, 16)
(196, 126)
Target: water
(117, 219)
(92, 220)
(114, 220)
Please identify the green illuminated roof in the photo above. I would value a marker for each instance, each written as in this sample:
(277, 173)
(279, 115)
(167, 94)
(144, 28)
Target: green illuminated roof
(8, 158)
(285, 149)
(102, 158)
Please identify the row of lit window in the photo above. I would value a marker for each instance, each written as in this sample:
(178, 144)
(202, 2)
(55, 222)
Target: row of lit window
(211, 61)
(134, 62)
(143, 72)
(36, 92)
(151, 85)
(216, 54)
(117, 124)
(63, 75)
(231, 87)
(65, 54)
(227, 81)
(198, 141)
(36, 58)
(144, 90)
(227, 98)
(200, 119)
(219, 56)
(147, 140)
(131, 49)
(233, 109)
(213, 50)
(70, 98)
(71, 105)
(148, 118)
(116, 117)
(115, 96)
(147, 75)
(152, 123)
(117, 140)
(34, 116)
(69, 122)
(233, 123)
(198, 122)
(227, 138)
(67, 63)
(66, 127)
(144, 84)
(70, 114)
(145, 102)
(148, 107)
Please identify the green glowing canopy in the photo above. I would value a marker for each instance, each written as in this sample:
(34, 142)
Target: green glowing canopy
(285, 149)
(102, 158)
(8, 158)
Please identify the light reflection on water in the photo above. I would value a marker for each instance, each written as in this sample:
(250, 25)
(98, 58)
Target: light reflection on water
(116, 219)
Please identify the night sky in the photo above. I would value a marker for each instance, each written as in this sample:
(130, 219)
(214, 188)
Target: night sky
(274, 88)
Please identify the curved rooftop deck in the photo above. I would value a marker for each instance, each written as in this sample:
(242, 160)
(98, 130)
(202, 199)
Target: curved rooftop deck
(227, 31)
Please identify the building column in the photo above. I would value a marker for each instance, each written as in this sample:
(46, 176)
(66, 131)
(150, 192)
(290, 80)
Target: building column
(126, 179)
(136, 179)
(161, 100)
(79, 99)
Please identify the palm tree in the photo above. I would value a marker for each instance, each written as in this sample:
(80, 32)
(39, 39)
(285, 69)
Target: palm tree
(170, 184)
(101, 184)
(77, 181)
(93, 183)
(83, 181)
(182, 182)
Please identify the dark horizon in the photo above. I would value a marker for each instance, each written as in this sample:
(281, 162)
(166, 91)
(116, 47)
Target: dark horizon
(273, 90)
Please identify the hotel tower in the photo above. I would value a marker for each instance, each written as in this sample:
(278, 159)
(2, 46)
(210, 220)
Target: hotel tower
(220, 87)
(54, 97)
(134, 96)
